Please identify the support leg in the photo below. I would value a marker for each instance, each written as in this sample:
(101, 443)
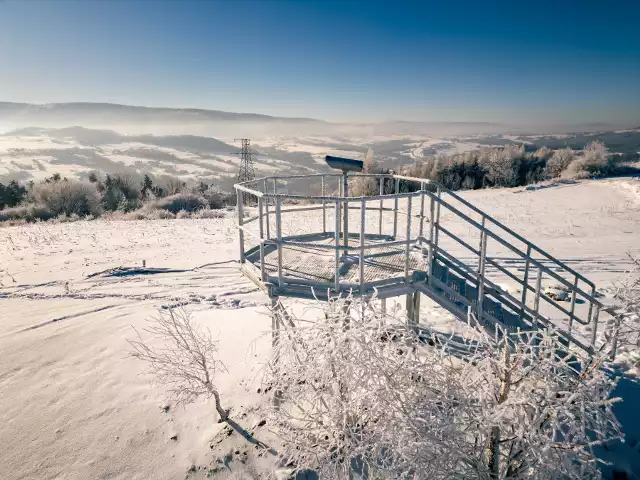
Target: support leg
(413, 309)
(276, 322)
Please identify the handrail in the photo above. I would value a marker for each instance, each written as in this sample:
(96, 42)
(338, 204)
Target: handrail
(516, 235)
(517, 250)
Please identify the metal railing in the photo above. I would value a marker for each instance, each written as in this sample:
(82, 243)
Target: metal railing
(423, 234)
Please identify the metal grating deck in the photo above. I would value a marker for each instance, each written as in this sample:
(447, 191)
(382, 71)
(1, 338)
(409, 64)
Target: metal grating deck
(312, 263)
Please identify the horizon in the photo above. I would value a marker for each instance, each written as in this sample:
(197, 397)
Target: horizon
(340, 62)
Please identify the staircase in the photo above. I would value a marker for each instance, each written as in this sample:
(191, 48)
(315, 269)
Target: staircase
(458, 279)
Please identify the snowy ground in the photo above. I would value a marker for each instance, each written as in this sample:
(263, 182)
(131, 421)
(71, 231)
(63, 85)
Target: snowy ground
(74, 406)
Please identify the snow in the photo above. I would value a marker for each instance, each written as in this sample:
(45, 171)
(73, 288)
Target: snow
(73, 405)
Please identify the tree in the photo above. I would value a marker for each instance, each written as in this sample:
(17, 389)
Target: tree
(147, 186)
(186, 362)
(363, 395)
(11, 194)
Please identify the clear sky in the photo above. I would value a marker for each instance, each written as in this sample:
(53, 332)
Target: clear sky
(513, 61)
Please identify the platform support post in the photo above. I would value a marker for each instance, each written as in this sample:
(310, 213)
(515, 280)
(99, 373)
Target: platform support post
(240, 222)
(413, 309)
(277, 314)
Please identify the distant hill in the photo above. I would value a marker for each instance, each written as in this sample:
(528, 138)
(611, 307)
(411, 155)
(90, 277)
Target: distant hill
(82, 113)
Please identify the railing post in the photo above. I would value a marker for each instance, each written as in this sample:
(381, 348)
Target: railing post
(266, 205)
(395, 208)
(345, 212)
(421, 232)
(324, 209)
(337, 247)
(381, 205)
(345, 226)
(593, 295)
(432, 209)
(279, 240)
(437, 226)
(481, 270)
(363, 209)
(596, 314)
(573, 306)
(262, 275)
(407, 252)
(536, 300)
(525, 283)
(240, 223)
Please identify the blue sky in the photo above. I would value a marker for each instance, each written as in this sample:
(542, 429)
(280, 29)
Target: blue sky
(510, 62)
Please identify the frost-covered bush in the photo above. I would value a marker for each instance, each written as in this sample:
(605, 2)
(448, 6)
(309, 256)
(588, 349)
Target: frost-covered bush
(216, 198)
(159, 214)
(502, 166)
(182, 214)
(186, 361)
(559, 162)
(67, 197)
(28, 213)
(627, 292)
(362, 395)
(188, 202)
(206, 213)
(596, 161)
(509, 166)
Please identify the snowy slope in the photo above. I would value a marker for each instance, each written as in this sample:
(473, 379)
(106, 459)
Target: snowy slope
(74, 406)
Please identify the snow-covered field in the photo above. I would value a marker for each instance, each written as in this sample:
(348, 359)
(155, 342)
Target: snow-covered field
(73, 405)
(37, 153)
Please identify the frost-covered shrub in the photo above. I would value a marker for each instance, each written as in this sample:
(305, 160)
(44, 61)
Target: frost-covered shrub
(216, 198)
(159, 215)
(188, 202)
(596, 161)
(559, 162)
(28, 213)
(182, 214)
(503, 166)
(627, 291)
(362, 395)
(206, 213)
(67, 197)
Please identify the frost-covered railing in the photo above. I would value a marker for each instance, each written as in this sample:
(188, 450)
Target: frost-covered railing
(414, 218)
